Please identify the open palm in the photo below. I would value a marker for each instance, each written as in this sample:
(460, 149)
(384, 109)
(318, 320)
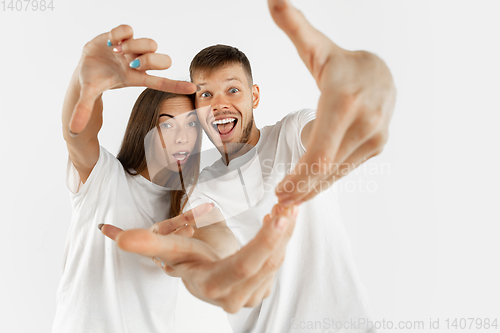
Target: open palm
(102, 68)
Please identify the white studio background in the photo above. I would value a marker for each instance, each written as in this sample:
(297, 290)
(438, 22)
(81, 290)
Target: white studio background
(423, 216)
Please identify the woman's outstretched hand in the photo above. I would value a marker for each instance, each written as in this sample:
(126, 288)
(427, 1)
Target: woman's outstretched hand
(242, 279)
(115, 60)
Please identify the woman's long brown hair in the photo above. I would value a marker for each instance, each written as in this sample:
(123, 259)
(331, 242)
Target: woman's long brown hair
(132, 155)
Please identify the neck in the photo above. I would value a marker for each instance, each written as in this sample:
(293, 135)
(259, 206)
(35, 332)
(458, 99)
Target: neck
(252, 141)
(158, 176)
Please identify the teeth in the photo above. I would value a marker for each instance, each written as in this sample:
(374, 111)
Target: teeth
(223, 121)
(181, 156)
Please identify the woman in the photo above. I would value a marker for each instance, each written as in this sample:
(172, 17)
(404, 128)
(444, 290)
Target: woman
(102, 288)
(106, 289)
(163, 146)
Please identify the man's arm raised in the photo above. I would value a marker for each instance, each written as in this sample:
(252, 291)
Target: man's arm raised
(356, 104)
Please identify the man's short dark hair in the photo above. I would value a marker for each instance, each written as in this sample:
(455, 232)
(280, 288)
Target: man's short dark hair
(217, 56)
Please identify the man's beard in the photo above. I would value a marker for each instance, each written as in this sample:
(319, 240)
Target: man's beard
(245, 135)
(228, 149)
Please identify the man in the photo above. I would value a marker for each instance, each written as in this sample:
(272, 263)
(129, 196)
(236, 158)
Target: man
(318, 281)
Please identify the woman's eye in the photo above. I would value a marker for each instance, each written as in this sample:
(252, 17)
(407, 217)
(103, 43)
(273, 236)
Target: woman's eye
(192, 124)
(233, 90)
(165, 125)
(205, 94)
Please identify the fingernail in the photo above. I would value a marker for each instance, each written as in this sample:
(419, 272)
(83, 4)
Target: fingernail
(162, 264)
(198, 88)
(73, 135)
(281, 224)
(134, 64)
(109, 43)
(100, 225)
(117, 49)
(295, 211)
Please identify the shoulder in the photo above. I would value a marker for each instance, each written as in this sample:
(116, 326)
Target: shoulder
(106, 167)
(288, 130)
(293, 122)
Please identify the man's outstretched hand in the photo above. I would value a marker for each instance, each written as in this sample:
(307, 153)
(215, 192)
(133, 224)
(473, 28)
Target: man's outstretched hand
(356, 104)
(122, 64)
(243, 279)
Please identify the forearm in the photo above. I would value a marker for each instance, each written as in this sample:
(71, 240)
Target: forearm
(84, 148)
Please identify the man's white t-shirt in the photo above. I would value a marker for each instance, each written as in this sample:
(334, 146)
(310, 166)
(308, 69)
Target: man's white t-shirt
(103, 288)
(317, 288)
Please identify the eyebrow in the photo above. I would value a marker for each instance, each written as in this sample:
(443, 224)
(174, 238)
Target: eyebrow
(226, 80)
(169, 115)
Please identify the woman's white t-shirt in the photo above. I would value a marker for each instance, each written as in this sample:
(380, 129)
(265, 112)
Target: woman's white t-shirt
(103, 288)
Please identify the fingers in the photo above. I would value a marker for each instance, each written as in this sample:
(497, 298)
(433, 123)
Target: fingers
(369, 149)
(151, 61)
(365, 128)
(262, 292)
(187, 218)
(132, 48)
(111, 231)
(138, 46)
(171, 249)
(250, 259)
(141, 55)
(149, 244)
(311, 168)
(251, 291)
(186, 231)
(164, 84)
(245, 278)
(310, 43)
(321, 158)
(285, 15)
(120, 33)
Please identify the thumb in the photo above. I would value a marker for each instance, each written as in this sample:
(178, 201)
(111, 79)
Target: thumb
(171, 249)
(110, 231)
(300, 181)
(83, 108)
(186, 231)
(188, 218)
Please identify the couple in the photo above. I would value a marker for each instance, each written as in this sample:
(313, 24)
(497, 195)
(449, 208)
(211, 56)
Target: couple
(105, 289)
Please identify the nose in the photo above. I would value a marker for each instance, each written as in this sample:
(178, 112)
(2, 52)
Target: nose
(220, 102)
(181, 135)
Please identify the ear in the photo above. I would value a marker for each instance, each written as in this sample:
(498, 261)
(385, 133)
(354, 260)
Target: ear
(255, 96)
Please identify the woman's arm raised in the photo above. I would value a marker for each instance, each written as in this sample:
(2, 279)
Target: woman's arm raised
(109, 61)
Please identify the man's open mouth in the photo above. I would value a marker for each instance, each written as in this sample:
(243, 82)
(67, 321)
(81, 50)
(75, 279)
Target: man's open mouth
(225, 125)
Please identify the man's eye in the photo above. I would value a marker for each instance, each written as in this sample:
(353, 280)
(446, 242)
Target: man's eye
(205, 94)
(233, 90)
(165, 125)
